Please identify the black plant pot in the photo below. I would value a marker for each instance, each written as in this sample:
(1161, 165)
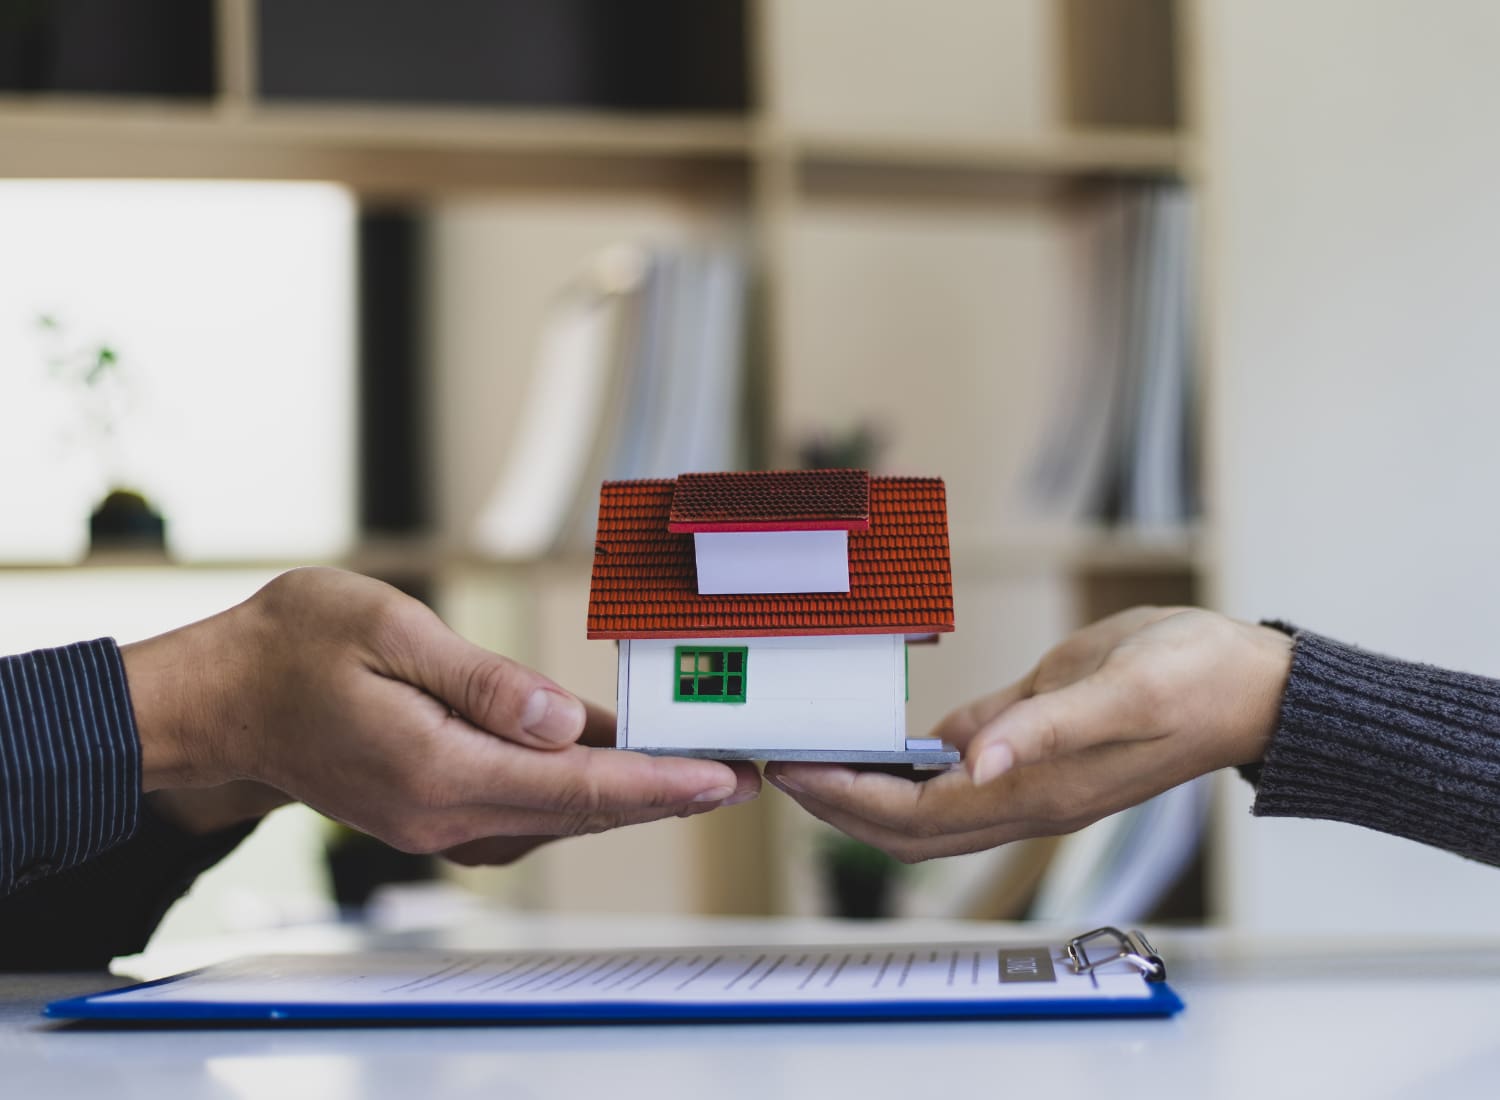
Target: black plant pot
(859, 891)
(125, 521)
(359, 865)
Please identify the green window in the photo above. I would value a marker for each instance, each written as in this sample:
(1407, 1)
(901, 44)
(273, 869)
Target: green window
(710, 674)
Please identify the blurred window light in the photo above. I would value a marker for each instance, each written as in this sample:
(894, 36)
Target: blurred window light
(230, 309)
(53, 607)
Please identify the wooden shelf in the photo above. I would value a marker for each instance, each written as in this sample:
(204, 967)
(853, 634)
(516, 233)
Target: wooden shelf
(560, 132)
(1084, 550)
(368, 147)
(1087, 153)
(146, 562)
(1087, 550)
(375, 146)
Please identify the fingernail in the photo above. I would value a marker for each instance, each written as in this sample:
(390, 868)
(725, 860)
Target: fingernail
(741, 796)
(993, 762)
(552, 716)
(785, 783)
(715, 794)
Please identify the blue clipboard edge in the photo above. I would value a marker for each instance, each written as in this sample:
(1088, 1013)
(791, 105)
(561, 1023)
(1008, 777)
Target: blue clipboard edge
(1162, 1001)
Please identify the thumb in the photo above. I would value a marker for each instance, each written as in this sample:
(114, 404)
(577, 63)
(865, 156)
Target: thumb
(492, 692)
(1044, 727)
(961, 726)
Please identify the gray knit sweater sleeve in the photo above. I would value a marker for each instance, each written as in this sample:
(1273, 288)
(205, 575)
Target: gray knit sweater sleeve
(1404, 748)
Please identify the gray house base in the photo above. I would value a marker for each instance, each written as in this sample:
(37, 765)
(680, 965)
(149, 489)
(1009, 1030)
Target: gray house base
(925, 758)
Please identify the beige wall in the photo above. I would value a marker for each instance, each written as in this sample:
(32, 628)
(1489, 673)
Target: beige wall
(1355, 242)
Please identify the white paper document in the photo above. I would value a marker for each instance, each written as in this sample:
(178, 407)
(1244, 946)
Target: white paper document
(676, 983)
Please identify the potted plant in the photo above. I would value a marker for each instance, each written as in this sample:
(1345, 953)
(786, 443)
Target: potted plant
(358, 865)
(101, 394)
(859, 879)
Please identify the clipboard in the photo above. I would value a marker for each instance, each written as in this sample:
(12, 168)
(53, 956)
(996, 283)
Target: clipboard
(1102, 974)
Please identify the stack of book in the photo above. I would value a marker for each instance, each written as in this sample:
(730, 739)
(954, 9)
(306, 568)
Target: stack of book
(1122, 868)
(1118, 447)
(639, 373)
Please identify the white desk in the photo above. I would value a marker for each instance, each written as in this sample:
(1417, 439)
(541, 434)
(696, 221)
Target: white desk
(1263, 1020)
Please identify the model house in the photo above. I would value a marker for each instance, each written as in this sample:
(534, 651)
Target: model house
(767, 615)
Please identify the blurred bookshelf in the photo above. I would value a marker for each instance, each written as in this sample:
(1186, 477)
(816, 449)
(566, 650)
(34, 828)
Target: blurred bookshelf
(907, 184)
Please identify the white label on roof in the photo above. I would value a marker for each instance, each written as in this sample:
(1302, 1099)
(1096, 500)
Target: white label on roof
(749, 562)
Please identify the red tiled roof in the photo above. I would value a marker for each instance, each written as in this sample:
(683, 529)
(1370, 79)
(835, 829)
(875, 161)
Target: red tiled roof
(645, 576)
(772, 500)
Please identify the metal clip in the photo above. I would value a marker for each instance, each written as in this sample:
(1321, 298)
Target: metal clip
(1131, 947)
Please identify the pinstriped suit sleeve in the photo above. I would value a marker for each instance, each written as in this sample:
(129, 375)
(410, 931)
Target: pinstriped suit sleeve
(70, 760)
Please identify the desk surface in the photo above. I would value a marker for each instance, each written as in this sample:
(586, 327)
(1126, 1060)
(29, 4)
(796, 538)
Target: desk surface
(1284, 1019)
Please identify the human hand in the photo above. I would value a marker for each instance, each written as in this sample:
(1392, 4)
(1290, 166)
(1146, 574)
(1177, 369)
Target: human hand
(1120, 711)
(598, 732)
(202, 810)
(339, 691)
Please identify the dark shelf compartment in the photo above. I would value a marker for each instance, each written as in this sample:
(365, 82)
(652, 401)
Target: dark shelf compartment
(393, 485)
(109, 47)
(645, 55)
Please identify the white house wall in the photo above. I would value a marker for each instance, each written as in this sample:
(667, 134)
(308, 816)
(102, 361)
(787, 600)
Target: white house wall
(841, 692)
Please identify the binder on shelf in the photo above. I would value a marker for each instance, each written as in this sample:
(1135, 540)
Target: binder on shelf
(1117, 446)
(564, 410)
(1120, 868)
(904, 981)
(638, 373)
(1154, 490)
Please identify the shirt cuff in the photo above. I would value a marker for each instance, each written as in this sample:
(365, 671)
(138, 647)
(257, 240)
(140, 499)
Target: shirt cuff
(70, 759)
(1250, 773)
